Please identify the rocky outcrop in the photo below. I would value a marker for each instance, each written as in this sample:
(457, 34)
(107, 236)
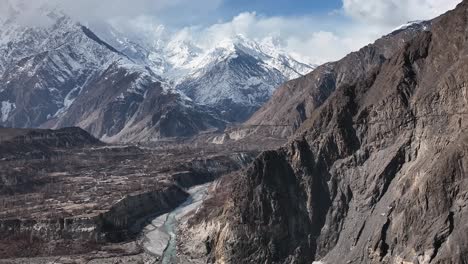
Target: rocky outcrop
(87, 232)
(117, 223)
(201, 171)
(375, 174)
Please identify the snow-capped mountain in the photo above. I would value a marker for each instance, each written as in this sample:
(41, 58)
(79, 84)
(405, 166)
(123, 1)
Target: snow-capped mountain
(237, 75)
(62, 74)
(124, 87)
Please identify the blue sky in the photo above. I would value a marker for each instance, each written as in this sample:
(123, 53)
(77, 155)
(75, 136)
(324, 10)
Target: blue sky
(205, 12)
(320, 30)
(315, 31)
(282, 7)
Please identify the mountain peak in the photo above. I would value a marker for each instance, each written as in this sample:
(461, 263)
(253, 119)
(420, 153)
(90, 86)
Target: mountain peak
(416, 23)
(75, 64)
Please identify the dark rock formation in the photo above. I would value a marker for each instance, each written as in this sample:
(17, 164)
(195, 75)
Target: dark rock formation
(376, 172)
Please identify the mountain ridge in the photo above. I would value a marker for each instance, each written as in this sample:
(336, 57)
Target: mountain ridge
(375, 174)
(194, 70)
(48, 70)
(47, 83)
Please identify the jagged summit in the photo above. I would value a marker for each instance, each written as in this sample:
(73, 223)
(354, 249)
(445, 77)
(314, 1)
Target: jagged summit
(247, 71)
(62, 73)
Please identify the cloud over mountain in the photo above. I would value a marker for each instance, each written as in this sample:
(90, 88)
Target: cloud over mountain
(316, 37)
(393, 12)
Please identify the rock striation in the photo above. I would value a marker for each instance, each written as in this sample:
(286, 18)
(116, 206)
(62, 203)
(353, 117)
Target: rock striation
(376, 169)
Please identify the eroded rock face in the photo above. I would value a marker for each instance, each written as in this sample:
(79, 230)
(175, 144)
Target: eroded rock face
(375, 174)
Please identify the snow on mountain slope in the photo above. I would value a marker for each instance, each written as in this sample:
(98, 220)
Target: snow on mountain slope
(416, 25)
(236, 75)
(46, 66)
(62, 74)
(123, 86)
(189, 58)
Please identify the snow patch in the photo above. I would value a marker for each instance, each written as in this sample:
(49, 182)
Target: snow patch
(180, 59)
(6, 110)
(120, 97)
(68, 101)
(409, 24)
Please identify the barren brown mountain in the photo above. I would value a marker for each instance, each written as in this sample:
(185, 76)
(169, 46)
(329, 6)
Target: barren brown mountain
(376, 170)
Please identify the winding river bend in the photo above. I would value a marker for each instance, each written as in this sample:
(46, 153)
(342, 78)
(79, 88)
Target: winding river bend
(160, 235)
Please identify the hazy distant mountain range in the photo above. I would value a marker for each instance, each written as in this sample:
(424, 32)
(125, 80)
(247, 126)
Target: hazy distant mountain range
(119, 88)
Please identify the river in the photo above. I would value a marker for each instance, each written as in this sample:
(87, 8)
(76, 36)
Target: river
(160, 235)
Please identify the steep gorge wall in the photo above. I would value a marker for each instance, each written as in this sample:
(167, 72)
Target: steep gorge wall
(377, 174)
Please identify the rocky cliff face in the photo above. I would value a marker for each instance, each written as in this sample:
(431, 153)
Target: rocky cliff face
(112, 225)
(376, 172)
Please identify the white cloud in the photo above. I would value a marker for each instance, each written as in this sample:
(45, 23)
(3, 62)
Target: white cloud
(394, 12)
(312, 38)
(165, 11)
(328, 38)
(26, 12)
(301, 36)
(90, 10)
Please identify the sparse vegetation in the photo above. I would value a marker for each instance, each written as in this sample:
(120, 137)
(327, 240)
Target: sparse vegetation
(76, 185)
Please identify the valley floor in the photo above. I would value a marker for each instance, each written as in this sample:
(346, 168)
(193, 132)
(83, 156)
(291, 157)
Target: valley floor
(97, 203)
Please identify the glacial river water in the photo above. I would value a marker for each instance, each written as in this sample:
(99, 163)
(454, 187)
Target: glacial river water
(160, 235)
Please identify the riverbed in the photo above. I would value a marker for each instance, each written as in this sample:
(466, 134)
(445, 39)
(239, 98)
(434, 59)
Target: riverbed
(159, 237)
